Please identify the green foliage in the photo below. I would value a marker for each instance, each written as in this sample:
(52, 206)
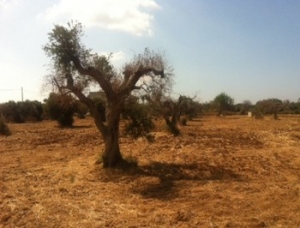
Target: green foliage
(65, 48)
(139, 118)
(4, 129)
(61, 108)
(65, 120)
(19, 112)
(12, 112)
(223, 102)
(188, 109)
(65, 45)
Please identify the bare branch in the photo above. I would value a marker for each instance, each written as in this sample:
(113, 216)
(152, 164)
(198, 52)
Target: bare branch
(97, 76)
(131, 81)
(92, 107)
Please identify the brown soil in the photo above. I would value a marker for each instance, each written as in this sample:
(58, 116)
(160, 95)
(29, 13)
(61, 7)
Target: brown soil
(222, 172)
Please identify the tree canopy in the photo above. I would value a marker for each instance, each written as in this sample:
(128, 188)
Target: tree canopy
(223, 102)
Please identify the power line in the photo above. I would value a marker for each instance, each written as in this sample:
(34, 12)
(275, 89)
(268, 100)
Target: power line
(9, 90)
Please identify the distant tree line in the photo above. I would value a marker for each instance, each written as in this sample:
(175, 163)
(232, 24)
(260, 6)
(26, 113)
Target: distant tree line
(223, 104)
(19, 112)
(139, 114)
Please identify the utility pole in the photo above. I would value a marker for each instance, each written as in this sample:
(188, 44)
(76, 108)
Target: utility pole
(22, 93)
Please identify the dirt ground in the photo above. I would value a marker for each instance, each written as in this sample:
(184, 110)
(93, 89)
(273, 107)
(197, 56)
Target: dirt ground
(222, 172)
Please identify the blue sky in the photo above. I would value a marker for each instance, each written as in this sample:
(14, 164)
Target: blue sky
(249, 49)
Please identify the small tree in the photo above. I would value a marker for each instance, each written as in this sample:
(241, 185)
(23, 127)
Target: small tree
(61, 107)
(171, 115)
(174, 112)
(271, 106)
(222, 103)
(76, 68)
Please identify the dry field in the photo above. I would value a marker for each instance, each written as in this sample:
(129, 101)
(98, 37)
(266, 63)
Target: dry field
(222, 172)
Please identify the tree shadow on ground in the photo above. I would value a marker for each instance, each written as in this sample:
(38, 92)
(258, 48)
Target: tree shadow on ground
(164, 180)
(170, 173)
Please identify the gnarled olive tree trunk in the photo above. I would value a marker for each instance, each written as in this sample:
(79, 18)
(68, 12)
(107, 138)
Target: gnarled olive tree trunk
(111, 155)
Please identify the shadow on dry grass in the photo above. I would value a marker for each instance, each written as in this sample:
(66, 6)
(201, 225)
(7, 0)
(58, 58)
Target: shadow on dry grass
(169, 174)
(164, 180)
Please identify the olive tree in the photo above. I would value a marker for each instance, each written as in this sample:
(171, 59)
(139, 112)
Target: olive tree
(271, 106)
(174, 112)
(76, 68)
(223, 102)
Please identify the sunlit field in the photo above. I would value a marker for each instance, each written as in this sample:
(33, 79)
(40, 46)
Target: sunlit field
(221, 172)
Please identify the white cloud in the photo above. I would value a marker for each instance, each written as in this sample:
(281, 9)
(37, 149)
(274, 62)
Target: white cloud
(8, 4)
(118, 56)
(7, 8)
(125, 15)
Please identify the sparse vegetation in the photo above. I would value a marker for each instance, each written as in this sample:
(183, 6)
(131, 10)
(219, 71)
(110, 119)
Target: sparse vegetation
(219, 164)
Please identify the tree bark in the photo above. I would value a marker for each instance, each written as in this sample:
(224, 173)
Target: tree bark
(112, 156)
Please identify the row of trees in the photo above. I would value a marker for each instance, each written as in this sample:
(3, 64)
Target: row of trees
(62, 107)
(223, 104)
(19, 112)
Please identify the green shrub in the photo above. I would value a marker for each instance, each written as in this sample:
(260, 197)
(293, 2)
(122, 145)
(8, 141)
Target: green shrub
(4, 129)
(61, 108)
(139, 121)
(65, 120)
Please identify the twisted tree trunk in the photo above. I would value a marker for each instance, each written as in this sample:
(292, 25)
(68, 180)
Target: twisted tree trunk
(112, 156)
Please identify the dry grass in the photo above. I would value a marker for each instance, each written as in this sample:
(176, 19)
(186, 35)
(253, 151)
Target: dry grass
(222, 172)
